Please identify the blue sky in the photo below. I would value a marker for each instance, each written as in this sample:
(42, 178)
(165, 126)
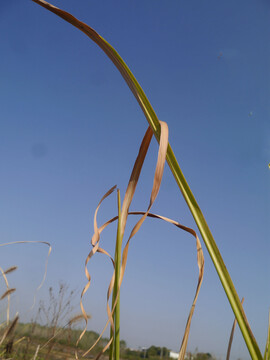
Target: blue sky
(70, 129)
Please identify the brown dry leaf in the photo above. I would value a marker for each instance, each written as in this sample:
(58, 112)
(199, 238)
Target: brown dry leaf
(9, 329)
(164, 135)
(200, 262)
(105, 46)
(125, 212)
(11, 269)
(8, 292)
(126, 203)
(77, 319)
(7, 286)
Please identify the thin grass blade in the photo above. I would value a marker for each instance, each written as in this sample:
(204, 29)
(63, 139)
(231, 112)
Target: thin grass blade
(117, 282)
(231, 336)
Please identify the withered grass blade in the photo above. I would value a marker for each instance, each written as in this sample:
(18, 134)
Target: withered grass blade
(164, 134)
(36, 353)
(95, 248)
(9, 329)
(77, 319)
(126, 204)
(7, 287)
(136, 171)
(10, 270)
(7, 293)
(200, 262)
(231, 336)
(114, 57)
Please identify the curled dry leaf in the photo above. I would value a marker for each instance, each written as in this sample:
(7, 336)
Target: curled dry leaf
(125, 212)
(77, 319)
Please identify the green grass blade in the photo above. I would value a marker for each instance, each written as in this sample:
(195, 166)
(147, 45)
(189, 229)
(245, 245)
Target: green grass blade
(267, 347)
(117, 282)
(115, 345)
(177, 173)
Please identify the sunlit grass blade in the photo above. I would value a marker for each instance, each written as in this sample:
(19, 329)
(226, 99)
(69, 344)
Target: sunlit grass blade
(267, 346)
(177, 173)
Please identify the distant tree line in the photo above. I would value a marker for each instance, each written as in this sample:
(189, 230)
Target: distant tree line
(158, 353)
(153, 353)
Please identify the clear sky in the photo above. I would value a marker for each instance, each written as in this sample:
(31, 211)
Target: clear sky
(70, 129)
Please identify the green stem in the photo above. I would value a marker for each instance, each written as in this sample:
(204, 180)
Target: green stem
(115, 345)
(117, 282)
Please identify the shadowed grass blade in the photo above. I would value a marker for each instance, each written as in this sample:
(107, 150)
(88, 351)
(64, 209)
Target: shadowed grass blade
(231, 337)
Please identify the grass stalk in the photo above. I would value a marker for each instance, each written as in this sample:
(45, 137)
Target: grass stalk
(115, 345)
(267, 346)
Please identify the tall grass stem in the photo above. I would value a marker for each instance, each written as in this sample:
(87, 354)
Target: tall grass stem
(115, 345)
